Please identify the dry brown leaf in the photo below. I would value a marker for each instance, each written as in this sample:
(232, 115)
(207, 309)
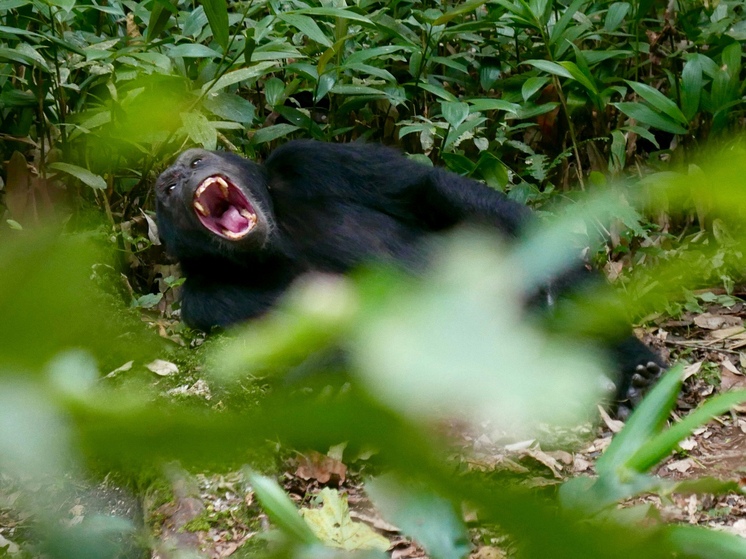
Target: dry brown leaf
(580, 464)
(315, 465)
(691, 370)
(681, 466)
(726, 363)
(730, 380)
(731, 333)
(711, 321)
(614, 425)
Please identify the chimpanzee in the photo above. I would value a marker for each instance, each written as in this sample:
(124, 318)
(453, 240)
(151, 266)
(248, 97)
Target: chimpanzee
(244, 232)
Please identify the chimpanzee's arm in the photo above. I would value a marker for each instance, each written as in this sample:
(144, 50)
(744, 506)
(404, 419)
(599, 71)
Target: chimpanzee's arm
(446, 199)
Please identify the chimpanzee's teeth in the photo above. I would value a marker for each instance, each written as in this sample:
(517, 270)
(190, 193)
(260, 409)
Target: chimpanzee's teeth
(223, 186)
(201, 209)
(247, 214)
(233, 235)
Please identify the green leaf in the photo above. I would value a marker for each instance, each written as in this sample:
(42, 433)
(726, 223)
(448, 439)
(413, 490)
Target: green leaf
(480, 105)
(85, 176)
(200, 130)
(333, 525)
(273, 89)
(580, 76)
(237, 76)
(532, 85)
(703, 543)
(645, 115)
(691, 88)
(336, 12)
(661, 445)
(464, 8)
(377, 52)
(437, 91)
(159, 17)
(550, 67)
(644, 424)
(217, 16)
(66, 5)
(422, 515)
(193, 50)
(230, 106)
(566, 18)
(342, 89)
(273, 132)
(616, 13)
(659, 101)
(280, 508)
(308, 27)
(454, 113)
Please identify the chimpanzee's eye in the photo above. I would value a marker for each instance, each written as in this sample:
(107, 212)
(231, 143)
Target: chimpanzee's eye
(195, 163)
(170, 188)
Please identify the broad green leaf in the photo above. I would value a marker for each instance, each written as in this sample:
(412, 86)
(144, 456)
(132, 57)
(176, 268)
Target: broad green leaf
(437, 91)
(458, 10)
(200, 130)
(237, 76)
(217, 16)
(193, 50)
(454, 113)
(333, 525)
(704, 543)
(644, 424)
(230, 106)
(342, 89)
(66, 5)
(550, 67)
(732, 60)
(85, 176)
(159, 17)
(662, 444)
(615, 14)
(645, 115)
(659, 101)
(377, 52)
(422, 515)
(12, 4)
(280, 508)
(561, 25)
(532, 85)
(336, 12)
(14, 55)
(579, 76)
(272, 133)
(273, 89)
(691, 88)
(308, 27)
(195, 22)
(480, 105)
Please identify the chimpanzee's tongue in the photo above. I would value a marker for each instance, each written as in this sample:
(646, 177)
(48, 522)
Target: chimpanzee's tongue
(232, 220)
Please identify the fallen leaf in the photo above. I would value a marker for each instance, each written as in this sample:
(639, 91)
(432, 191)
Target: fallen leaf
(730, 366)
(163, 368)
(688, 444)
(711, 321)
(9, 546)
(730, 380)
(733, 332)
(691, 370)
(580, 464)
(333, 525)
(614, 425)
(680, 466)
(315, 465)
(522, 445)
(124, 368)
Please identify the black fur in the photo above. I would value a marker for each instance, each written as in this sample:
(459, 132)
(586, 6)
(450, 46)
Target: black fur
(323, 207)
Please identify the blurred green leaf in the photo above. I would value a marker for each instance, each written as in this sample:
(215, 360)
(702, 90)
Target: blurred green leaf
(308, 27)
(193, 50)
(615, 15)
(691, 88)
(658, 101)
(280, 508)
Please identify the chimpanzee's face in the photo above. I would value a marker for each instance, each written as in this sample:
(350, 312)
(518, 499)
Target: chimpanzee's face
(213, 198)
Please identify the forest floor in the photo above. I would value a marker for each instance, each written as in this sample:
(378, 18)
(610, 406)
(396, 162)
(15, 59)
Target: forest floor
(217, 513)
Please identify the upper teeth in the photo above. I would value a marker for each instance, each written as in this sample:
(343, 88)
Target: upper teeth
(209, 181)
(201, 209)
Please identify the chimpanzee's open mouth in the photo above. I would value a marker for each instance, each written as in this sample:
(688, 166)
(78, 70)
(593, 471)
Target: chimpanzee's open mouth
(223, 209)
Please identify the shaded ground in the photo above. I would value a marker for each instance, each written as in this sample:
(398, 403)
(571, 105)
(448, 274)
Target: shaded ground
(218, 513)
